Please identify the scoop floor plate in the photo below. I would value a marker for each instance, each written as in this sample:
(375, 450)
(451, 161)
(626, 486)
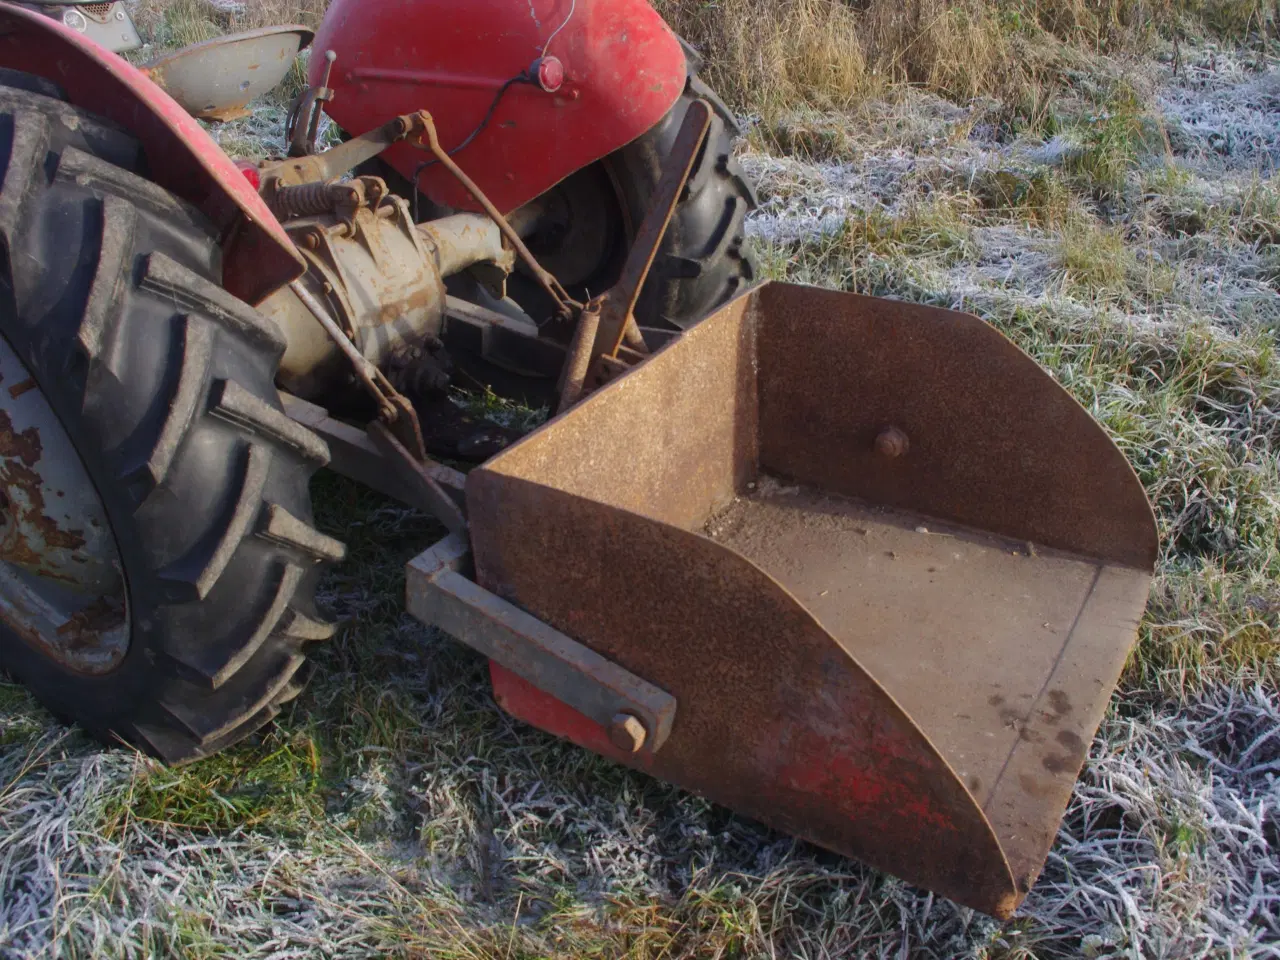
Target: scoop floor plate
(992, 647)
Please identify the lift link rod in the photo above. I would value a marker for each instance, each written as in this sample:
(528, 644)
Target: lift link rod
(375, 384)
(394, 408)
(595, 356)
(568, 307)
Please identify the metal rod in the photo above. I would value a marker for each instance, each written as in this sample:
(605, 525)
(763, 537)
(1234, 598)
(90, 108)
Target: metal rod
(365, 370)
(617, 315)
(549, 283)
(578, 365)
(430, 495)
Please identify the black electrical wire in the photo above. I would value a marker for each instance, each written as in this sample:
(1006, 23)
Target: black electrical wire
(493, 108)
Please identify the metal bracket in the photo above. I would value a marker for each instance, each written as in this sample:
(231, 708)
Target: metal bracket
(420, 477)
(304, 118)
(637, 714)
(323, 167)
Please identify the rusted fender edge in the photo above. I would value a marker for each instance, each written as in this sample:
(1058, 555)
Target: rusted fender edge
(257, 255)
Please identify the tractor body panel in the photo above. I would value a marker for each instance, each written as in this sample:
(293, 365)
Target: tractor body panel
(623, 70)
(257, 255)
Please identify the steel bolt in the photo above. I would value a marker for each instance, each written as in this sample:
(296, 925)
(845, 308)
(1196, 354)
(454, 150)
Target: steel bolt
(627, 733)
(892, 443)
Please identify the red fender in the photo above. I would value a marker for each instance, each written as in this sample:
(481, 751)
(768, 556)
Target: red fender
(623, 70)
(257, 255)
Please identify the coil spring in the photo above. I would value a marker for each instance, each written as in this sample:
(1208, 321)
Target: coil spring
(312, 199)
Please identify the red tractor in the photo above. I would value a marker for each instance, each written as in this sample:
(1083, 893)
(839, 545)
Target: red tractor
(854, 567)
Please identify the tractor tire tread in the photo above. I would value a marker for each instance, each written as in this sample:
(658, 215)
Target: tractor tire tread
(119, 225)
(168, 278)
(27, 152)
(235, 404)
(703, 261)
(282, 527)
(194, 364)
(89, 171)
(165, 383)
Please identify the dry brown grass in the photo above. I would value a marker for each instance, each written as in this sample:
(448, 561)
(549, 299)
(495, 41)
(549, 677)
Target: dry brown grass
(771, 55)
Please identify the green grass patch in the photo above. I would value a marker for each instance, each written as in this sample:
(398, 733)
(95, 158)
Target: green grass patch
(1111, 141)
(22, 720)
(810, 138)
(1038, 197)
(274, 784)
(1255, 213)
(1094, 259)
(935, 231)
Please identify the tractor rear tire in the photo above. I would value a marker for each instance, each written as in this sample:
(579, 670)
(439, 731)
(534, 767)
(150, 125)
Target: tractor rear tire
(589, 221)
(703, 260)
(164, 385)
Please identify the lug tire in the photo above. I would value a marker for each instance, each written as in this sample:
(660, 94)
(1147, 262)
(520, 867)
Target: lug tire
(110, 294)
(703, 260)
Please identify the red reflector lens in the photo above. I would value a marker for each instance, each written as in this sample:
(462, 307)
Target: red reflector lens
(251, 174)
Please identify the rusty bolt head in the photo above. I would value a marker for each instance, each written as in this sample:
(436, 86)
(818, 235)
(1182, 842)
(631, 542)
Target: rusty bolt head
(892, 443)
(627, 733)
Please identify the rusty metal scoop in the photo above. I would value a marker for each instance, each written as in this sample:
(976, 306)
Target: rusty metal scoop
(887, 569)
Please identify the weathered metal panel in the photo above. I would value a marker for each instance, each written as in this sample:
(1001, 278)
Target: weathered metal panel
(775, 720)
(673, 445)
(867, 673)
(994, 442)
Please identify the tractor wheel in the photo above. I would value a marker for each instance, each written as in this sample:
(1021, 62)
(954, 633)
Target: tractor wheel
(157, 558)
(592, 217)
(703, 261)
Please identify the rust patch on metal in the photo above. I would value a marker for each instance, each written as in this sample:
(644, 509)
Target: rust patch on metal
(24, 446)
(27, 531)
(53, 573)
(85, 629)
